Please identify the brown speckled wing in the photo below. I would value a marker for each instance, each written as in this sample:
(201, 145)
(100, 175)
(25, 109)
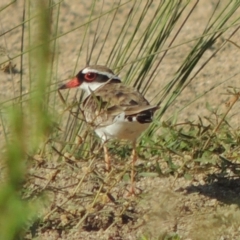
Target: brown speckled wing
(110, 100)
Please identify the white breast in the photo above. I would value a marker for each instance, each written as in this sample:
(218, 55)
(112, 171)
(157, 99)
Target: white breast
(121, 129)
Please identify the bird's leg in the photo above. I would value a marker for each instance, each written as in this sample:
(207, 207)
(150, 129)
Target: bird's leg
(134, 159)
(106, 158)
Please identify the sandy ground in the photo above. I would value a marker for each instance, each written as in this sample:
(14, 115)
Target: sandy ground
(175, 205)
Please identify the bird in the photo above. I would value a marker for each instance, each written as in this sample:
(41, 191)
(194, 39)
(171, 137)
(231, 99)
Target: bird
(114, 110)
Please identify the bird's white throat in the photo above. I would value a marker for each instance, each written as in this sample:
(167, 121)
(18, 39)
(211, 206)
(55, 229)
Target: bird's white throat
(91, 87)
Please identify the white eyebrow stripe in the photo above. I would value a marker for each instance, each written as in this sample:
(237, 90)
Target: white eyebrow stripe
(109, 75)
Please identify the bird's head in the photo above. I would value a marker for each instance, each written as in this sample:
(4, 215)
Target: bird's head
(92, 77)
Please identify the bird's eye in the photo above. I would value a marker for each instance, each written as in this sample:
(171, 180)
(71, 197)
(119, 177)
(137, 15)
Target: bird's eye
(90, 76)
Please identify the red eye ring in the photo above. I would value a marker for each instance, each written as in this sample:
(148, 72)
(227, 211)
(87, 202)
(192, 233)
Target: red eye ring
(90, 76)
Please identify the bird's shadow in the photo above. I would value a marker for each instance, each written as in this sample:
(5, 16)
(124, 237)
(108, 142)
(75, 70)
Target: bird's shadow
(224, 189)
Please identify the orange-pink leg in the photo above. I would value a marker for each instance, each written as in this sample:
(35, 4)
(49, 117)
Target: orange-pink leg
(134, 159)
(106, 158)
